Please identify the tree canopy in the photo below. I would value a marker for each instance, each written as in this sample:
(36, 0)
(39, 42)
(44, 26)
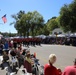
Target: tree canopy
(28, 23)
(67, 18)
(52, 24)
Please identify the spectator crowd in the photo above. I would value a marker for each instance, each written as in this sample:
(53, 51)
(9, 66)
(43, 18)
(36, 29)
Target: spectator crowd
(15, 54)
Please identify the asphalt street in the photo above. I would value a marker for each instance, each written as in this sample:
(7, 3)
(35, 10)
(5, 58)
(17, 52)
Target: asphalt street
(65, 54)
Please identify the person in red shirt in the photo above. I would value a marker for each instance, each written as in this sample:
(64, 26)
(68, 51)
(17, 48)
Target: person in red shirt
(49, 69)
(70, 70)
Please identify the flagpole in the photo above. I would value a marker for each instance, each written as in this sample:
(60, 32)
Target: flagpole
(1, 18)
(1, 23)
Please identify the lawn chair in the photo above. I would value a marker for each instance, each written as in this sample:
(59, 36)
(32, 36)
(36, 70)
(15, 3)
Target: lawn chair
(13, 61)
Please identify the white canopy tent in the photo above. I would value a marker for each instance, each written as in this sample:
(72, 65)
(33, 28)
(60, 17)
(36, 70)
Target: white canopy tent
(73, 35)
(52, 35)
(61, 35)
(41, 36)
(1, 35)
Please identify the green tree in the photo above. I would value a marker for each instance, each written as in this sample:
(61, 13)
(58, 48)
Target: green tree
(37, 22)
(45, 30)
(67, 18)
(17, 21)
(30, 22)
(12, 34)
(52, 24)
(25, 23)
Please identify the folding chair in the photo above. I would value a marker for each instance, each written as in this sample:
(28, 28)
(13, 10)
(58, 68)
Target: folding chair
(13, 61)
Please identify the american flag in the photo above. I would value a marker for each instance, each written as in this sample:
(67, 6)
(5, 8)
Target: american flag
(4, 18)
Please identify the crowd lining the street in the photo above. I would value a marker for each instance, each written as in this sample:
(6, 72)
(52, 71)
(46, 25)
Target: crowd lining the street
(15, 54)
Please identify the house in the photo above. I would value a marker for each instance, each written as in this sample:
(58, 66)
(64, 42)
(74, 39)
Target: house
(57, 31)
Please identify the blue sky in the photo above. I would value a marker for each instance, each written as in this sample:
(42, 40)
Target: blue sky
(47, 8)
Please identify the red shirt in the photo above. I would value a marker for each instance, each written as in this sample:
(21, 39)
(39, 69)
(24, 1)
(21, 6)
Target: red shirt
(50, 70)
(70, 70)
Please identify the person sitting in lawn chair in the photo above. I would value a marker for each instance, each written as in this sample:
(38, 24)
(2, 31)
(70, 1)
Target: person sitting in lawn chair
(27, 62)
(13, 58)
(30, 65)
